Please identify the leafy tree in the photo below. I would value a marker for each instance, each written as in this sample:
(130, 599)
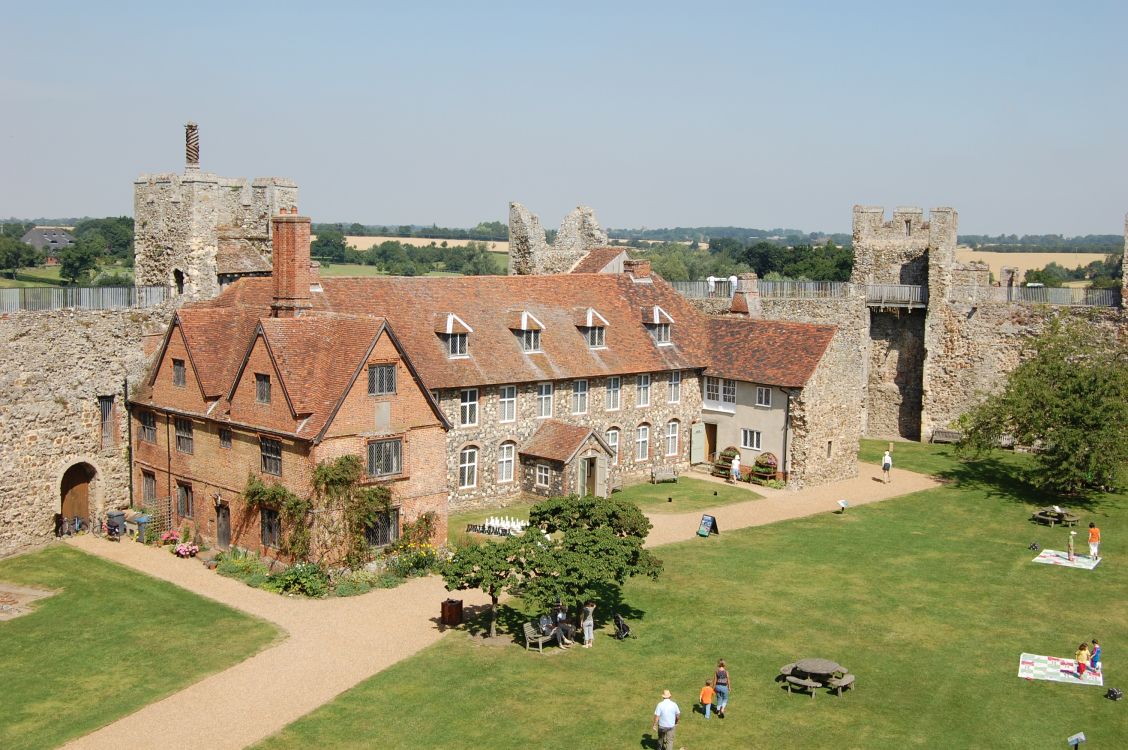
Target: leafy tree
(15, 255)
(492, 567)
(330, 244)
(78, 260)
(1070, 397)
(114, 233)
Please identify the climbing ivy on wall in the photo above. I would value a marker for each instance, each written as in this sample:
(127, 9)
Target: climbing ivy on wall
(337, 485)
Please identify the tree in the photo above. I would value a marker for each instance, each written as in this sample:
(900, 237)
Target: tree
(15, 255)
(78, 260)
(1070, 398)
(492, 567)
(330, 244)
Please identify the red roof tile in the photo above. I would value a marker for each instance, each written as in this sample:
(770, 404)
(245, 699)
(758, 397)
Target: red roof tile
(597, 259)
(766, 351)
(557, 441)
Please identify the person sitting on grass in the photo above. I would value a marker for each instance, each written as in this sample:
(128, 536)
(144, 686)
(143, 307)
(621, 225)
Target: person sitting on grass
(1082, 657)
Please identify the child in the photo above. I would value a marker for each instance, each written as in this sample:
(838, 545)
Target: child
(1094, 540)
(1082, 657)
(1069, 549)
(886, 465)
(707, 698)
(1095, 660)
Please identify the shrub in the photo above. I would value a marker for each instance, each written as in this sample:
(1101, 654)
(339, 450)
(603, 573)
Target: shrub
(353, 582)
(245, 566)
(172, 536)
(186, 550)
(414, 560)
(303, 578)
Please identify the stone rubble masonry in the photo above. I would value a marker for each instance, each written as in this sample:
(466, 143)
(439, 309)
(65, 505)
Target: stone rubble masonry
(490, 433)
(529, 253)
(56, 365)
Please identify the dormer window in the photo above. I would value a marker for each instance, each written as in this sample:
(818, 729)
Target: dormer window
(528, 329)
(455, 334)
(659, 323)
(593, 326)
(530, 341)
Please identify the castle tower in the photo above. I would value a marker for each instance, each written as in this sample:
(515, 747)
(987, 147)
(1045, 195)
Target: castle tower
(196, 231)
(530, 253)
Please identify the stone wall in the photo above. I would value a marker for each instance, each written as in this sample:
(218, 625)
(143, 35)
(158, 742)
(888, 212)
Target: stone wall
(530, 253)
(897, 251)
(896, 362)
(56, 365)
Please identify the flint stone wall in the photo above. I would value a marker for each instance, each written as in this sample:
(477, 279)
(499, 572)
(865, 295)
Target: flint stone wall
(56, 365)
(530, 253)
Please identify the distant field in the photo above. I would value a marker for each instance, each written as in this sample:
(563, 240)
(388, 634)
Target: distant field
(1026, 261)
(363, 243)
(357, 269)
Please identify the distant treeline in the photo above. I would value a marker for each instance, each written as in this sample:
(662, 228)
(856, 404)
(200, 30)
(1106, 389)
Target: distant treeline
(485, 231)
(1101, 274)
(726, 256)
(399, 259)
(744, 234)
(1044, 243)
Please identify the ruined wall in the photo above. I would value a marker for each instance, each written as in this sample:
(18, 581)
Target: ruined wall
(896, 363)
(529, 253)
(56, 365)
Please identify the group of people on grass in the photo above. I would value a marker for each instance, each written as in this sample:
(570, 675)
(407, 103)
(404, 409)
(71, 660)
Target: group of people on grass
(1094, 542)
(667, 714)
(1088, 658)
(558, 627)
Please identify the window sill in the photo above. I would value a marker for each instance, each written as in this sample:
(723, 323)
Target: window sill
(723, 408)
(383, 478)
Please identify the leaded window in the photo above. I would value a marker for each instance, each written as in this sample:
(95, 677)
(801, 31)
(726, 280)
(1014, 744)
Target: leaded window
(183, 435)
(385, 457)
(381, 380)
(270, 451)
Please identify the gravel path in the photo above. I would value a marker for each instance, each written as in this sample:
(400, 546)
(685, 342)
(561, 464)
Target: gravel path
(329, 645)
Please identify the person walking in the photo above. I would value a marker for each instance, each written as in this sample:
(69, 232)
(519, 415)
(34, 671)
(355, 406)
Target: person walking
(1095, 659)
(722, 684)
(1094, 540)
(666, 717)
(588, 623)
(886, 465)
(734, 472)
(707, 694)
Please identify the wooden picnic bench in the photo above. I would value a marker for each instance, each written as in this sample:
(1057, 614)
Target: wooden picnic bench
(534, 636)
(1050, 517)
(663, 474)
(838, 684)
(946, 436)
(802, 682)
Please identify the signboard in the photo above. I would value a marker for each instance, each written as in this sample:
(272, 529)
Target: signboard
(708, 526)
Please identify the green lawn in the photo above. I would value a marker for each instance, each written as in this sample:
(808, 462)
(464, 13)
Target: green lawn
(688, 494)
(49, 276)
(929, 599)
(110, 642)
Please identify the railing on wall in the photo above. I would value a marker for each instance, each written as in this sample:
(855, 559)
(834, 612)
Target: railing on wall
(701, 290)
(896, 295)
(803, 289)
(1037, 295)
(82, 297)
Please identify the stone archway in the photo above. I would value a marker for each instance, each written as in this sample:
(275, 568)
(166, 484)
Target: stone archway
(77, 490)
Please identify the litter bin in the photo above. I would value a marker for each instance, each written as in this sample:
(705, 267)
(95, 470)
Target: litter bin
(142, 526)
(452, 612)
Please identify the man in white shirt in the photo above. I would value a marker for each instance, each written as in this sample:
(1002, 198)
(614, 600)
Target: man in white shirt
(732, 285)
(712, 283)
(666, 716)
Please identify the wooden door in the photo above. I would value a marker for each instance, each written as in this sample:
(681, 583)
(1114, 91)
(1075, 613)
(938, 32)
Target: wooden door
(76, 492)
(710, 442)
(223, 526)
(589, 485)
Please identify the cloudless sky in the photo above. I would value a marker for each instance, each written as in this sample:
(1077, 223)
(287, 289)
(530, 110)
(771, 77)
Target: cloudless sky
(656, 114)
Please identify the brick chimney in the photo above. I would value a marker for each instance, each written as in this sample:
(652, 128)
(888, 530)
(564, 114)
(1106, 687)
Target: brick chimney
(291, 264)
(746, 297)
(640, 269)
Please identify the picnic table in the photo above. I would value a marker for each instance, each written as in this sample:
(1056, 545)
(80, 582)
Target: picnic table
(810, 674)
(1054, 515)
(818, 667)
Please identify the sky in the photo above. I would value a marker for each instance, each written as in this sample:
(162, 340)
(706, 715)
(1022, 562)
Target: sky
(655, 114)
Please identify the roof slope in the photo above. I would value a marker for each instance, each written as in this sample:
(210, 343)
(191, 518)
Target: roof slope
(557, 441)
(239, 257)
(597, 259)
(217, 339)
(766, 351)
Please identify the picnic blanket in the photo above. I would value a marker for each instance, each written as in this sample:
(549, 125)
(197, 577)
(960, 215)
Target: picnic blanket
(1055, 669)
(1053, 557)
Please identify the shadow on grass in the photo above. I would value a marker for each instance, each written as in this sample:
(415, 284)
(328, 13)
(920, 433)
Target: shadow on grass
(1005, 480)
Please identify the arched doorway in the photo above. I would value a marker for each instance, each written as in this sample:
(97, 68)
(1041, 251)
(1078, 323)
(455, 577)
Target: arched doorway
(75, 491)
(178, 280)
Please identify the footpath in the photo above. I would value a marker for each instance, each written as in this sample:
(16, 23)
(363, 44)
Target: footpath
(330, 645)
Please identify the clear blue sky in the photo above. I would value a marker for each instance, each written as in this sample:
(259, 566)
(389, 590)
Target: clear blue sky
(655, 114)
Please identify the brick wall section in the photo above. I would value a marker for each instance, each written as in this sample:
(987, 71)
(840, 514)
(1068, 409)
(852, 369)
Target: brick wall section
(244, 405)
(490, 433)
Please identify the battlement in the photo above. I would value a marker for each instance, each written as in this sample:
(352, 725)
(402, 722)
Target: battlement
(907, 223)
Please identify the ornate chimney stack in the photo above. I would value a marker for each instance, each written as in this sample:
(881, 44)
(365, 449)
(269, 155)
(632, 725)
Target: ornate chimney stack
(291, 264)
(192, 147)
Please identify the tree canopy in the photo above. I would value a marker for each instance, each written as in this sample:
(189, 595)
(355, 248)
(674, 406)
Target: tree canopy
(15, 254)
(1069, 398)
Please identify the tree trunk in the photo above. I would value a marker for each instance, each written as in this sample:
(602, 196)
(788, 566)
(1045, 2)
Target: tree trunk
(493, 615)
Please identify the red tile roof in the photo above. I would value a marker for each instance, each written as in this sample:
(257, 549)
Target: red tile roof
(770, 352)
(237, 257)
(558, 441)
(598, 259)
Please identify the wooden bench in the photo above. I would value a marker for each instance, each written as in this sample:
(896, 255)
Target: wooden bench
(799, 682)
(663, 474)
(532, 635)
(946, 436)
(787, 669)
(838, 684)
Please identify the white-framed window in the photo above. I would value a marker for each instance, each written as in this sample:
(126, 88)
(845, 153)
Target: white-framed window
(579, 396)
(763, 396)
(530, 341)
(505, 459)
(468, 468)
(642, 390)
(712, 389)
(507, 403)
(468, 407)
(385, 457)
(457, 345)
(750, 439)
(674, 395)
(262, 388)
(614, 392)
(544, 400)
(720, 394)
(597, 337)
(661, 333)
(728, 391)
(642, 442)
(613, 444)
(672, 429)
(381, 380)
(542, 475)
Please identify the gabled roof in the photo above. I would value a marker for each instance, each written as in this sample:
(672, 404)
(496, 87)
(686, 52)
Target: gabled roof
(559, 441)
(239, 257)
(769, 352)
(210, 334)
(598, 259)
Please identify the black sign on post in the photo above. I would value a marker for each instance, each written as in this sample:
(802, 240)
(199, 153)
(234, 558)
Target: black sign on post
(708, 526)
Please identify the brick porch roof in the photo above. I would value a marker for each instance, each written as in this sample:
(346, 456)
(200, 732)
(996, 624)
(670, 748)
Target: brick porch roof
(558, 441)
(770, 352)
